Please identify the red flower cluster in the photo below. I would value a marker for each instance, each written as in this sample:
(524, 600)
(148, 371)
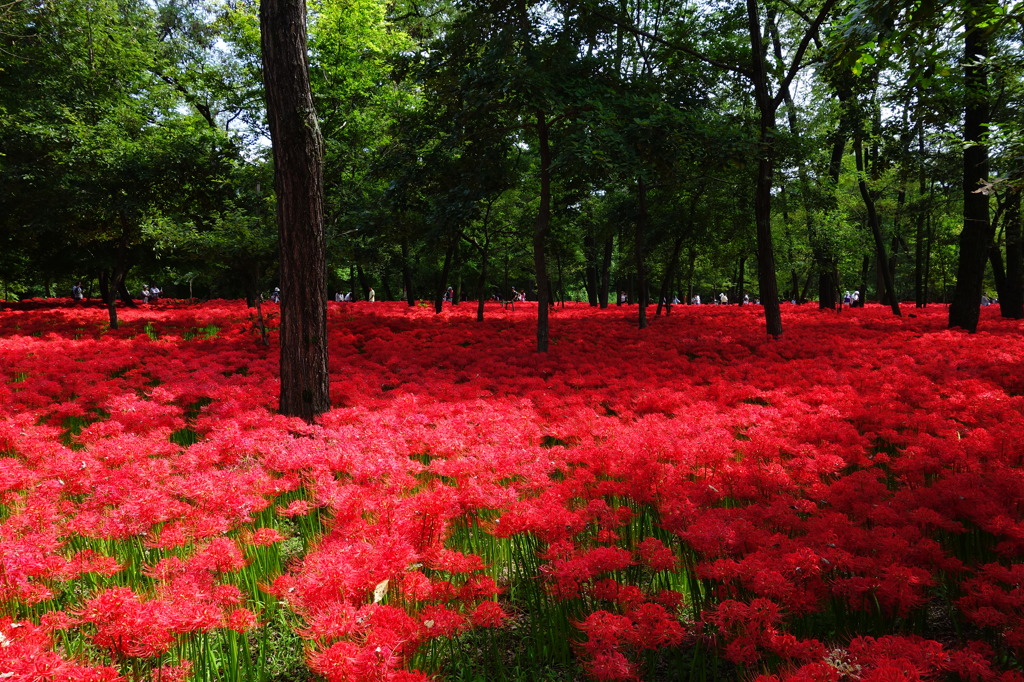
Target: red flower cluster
(692, 484)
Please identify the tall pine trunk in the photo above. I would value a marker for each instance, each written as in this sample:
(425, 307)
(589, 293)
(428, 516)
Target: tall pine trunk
(298, 180)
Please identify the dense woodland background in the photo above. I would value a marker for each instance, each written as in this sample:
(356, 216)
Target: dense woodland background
(661, 148)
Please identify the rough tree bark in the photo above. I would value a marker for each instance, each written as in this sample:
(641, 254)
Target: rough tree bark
(765, 171)
(298, 180)
(976, 236)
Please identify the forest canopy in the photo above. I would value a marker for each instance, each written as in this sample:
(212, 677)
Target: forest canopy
(642, 151)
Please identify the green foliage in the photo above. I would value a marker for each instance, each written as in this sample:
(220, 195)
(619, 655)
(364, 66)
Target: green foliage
(135, 134)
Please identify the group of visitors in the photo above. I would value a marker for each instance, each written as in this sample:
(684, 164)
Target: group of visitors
(339, 296)
(348, 297)
(723, 299)
(150, 292)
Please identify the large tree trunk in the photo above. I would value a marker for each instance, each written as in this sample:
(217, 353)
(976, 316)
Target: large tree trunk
(765, 169)
(540, 230)
(298, 180)
(108, 292)
(976, 236)
(250, 277)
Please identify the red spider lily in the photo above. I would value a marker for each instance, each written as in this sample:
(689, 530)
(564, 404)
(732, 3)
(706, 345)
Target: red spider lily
(242, 620)
(25, 654)
(488, 614)
(843, 472)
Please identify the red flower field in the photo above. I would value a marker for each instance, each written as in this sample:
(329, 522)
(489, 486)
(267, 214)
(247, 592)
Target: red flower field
(690, 501)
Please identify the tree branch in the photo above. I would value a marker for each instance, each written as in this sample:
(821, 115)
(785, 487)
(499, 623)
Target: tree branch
(679, 47)
(812, 31)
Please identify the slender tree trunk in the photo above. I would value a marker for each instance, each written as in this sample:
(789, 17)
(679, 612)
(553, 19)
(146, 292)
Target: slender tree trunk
(481, 288)
(386, 292)
(561, 287)
(298, 179)
(807, 286)
(920, 286)
(876, 230)
(122, 290)
(457, 267)
(691, 269)
(120, 273)
(540, 230)
(995, 259)
(407, 274)
(260, 324)
(505, 290)
(665, 296)
(742, 279)
(442, 285)
(250, 279)
(606, 271)
(823, 259)
(364, 286)
(828, 264)
(641, 238)
(109, 293)
(590, 274)
(865, 268)
(976, 236)
(1011, 301)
